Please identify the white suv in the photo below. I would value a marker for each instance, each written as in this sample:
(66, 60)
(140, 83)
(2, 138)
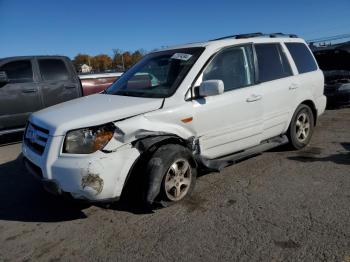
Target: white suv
(201, 105)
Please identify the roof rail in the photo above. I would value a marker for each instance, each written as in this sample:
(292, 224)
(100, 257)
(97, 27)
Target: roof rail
(282, 34)
(239, 36)
(257, 34)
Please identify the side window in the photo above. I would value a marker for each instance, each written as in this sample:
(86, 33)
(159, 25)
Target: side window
(19, 71)
(302, 57)
(272, 62)
(234, 66)
(53, 69)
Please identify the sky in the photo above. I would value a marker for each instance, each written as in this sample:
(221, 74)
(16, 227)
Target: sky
(68, 27)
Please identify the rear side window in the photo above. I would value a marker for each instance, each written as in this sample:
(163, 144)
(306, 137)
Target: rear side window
(53, 69)
(272, 62)
(302, 57)
(18, 71)
(234, 66)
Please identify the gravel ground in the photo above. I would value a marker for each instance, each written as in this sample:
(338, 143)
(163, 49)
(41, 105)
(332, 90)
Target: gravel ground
(278, 206)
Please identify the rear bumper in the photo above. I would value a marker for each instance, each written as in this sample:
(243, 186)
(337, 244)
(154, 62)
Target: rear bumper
(321, 103)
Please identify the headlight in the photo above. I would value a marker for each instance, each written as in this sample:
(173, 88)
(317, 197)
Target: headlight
(88, 140)
(344, 87)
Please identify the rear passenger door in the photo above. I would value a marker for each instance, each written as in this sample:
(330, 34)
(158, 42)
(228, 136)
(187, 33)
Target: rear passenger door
(20, 96)
(276, 80)
(57, 81)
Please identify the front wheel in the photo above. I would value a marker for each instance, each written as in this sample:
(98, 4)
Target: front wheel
(177, 180)
(301, 127)
(171, 174)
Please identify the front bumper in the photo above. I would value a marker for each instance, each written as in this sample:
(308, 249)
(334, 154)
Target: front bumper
(49, 185)
(95, 177)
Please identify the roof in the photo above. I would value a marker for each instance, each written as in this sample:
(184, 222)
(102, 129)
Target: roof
(238, 39)
(32, 56)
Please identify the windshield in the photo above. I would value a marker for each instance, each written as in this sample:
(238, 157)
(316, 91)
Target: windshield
(156, 75)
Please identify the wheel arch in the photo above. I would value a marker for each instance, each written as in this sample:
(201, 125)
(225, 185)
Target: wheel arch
(147, 146)
(312, 106)
(307, 102)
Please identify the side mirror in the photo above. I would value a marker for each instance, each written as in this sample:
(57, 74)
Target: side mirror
(211, 88)
(3, 78)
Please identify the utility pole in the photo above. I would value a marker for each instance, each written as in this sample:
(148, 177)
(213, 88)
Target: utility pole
(117, 52)
(123, 62)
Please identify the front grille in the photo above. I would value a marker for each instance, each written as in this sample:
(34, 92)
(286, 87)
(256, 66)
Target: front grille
(36, 138)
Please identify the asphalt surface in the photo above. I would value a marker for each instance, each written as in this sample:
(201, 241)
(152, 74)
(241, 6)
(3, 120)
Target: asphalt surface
(279, 206)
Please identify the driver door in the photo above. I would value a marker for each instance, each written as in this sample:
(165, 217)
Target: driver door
(232, 121)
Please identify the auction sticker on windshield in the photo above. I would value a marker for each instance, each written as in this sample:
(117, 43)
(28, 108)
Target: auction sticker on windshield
(181, 56)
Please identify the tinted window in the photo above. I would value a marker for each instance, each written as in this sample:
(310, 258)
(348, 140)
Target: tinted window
(272, 62)
(302, 57)
(53, 69)
(18, 71)
(233, 66)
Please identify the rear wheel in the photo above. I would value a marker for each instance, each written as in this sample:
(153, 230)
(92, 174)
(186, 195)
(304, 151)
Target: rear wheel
(301, 127)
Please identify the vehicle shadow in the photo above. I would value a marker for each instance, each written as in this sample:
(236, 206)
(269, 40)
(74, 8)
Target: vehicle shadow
(281, 148)
(23, 199)
(340, 158)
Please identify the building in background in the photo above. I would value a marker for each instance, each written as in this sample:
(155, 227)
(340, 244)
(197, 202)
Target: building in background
(84, 68)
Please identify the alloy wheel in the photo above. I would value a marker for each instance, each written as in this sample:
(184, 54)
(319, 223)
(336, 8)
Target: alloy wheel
(302, 127)
(178, 180)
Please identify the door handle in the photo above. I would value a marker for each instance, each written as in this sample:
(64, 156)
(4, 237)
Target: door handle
(254, 98)
(69, 86)
(32, 90)
(293, 86)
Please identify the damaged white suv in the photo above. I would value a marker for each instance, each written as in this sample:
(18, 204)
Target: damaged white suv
(201, 105)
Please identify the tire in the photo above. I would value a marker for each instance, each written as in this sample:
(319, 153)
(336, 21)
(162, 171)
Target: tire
(301, 127)
(171, 175)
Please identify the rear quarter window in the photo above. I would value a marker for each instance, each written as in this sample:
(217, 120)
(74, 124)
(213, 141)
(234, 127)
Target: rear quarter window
(272, 62)
(302, 57)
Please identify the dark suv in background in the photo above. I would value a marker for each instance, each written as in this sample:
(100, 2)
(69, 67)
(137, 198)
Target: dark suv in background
(30, 83)
(334, 61)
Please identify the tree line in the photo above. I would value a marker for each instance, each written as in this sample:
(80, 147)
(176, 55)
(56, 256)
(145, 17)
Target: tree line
(119, 61)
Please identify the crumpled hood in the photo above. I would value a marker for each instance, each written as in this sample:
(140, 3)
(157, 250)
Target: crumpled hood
(90, 111)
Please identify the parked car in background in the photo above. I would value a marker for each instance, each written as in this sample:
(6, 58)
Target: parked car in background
(96, 83)
(202, 105)
(31, 83)
(334, 60)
